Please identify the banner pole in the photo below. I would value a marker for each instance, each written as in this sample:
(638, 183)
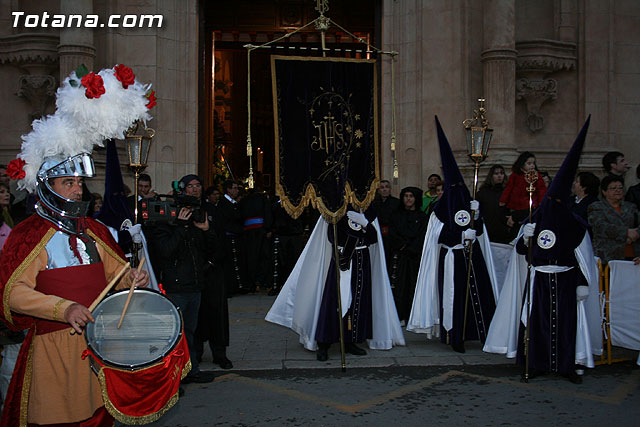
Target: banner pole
(336, 257)
(530, 177)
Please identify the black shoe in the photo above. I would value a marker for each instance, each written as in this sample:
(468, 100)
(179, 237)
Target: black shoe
(180, 392)
(199, 377)
(458, 347)
(533, 373)
(351, 348)
(574, 378)
(223, 362)
(322, 354)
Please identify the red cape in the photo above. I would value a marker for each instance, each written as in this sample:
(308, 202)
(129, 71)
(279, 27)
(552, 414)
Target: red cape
(25, 242)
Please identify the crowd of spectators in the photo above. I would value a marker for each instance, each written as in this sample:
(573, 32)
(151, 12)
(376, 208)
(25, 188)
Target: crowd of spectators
(608, 206)
(247, 241)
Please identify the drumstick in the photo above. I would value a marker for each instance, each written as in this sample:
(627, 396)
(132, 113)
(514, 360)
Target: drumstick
(133, 285)
(113, 281)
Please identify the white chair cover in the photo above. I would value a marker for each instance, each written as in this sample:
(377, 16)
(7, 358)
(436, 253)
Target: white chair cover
(624, 304)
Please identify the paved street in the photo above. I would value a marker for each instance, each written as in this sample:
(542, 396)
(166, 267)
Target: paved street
(276, 382)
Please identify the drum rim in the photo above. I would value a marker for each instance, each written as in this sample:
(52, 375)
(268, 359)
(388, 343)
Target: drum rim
(129, 366)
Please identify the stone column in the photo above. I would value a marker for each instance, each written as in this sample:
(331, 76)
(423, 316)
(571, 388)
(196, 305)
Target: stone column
(76, 44)
(499, 76)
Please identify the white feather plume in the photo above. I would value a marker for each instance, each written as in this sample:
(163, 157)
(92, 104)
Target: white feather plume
(111, 114)
(79, 123)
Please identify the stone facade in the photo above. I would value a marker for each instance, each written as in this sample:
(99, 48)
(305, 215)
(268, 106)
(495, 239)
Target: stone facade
(542, 67)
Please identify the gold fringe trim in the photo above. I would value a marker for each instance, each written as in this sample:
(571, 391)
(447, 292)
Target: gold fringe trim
(106, 247)
(186, 369)
(142, 419)
(21, 268)
(310, 197)
(26, 385)
(56, 309)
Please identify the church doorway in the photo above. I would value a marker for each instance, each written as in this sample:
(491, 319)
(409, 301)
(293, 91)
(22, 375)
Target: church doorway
(225, 28)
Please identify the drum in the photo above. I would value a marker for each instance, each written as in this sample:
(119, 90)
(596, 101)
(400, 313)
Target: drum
(140, 365)
(150, 329)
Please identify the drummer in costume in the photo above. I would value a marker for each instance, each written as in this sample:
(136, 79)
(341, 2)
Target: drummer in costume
(308, 301)
(56, 262)
(564, 321)
(440, 298)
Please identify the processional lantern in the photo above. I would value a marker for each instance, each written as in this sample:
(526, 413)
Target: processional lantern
(138, 143)
(478, 134)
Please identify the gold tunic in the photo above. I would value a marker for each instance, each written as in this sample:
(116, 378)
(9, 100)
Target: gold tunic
(63, 388)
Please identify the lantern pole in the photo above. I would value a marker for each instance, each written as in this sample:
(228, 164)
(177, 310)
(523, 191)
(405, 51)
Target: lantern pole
(478, 139)
(138, 146)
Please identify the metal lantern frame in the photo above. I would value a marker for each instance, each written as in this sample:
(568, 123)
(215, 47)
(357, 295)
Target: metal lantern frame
(138, 147)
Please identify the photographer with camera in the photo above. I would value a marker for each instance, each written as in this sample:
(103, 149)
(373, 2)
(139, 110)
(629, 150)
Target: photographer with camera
(183, 252)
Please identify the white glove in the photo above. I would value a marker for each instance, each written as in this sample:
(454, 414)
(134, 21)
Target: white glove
(582, 292)
(469, 235)
(135, 231)
(475, 205)
(358, 218)
(529, 230)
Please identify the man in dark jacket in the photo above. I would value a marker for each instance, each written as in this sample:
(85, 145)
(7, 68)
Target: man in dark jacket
(213, 320)
(181, 251)
(288, 243)
(255, 210)
(633, 193)
(230, 225)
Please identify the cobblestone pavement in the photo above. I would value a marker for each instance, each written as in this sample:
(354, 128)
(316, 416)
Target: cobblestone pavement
(276, 382)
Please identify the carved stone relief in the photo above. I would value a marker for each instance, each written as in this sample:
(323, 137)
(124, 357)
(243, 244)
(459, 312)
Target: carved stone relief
(536, 60)
(39, 90)
(37, 55)
(536, 92)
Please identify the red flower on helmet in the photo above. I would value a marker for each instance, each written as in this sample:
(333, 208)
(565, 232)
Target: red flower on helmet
(152, 99)
(125, 75)
(94, 85)
(15, 169)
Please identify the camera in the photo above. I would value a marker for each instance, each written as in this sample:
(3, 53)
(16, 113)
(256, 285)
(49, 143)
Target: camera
(184, 201)
(167, 207)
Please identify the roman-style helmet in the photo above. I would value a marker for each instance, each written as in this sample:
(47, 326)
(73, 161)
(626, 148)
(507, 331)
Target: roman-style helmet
(53, 206)
(90, 107)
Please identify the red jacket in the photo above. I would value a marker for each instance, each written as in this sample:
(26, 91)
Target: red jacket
(515, 195)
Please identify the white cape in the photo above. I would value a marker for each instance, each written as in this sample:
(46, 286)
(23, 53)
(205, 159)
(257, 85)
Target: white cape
(425, 312)
(503, 332)
(298, 303)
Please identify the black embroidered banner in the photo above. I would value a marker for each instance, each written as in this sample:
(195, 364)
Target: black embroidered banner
(325, 113)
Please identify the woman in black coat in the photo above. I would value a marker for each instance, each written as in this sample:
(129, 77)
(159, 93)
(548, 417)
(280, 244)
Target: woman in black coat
(406, 236)
(494, 215)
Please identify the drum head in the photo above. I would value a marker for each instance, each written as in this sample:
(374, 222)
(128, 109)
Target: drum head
(150, 329)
